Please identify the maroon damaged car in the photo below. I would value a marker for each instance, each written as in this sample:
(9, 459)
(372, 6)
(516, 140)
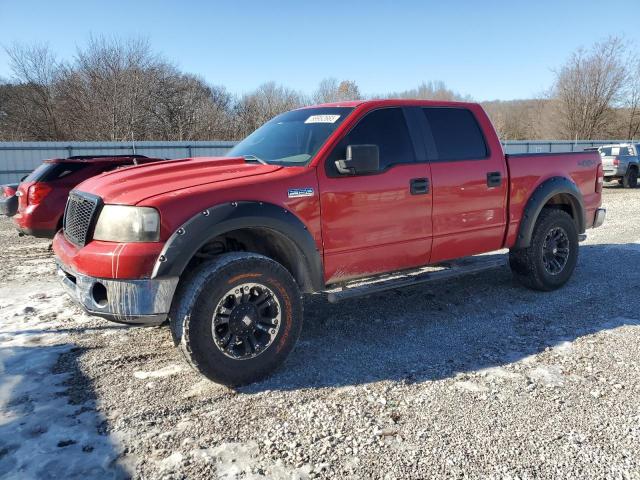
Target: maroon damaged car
(42, 195)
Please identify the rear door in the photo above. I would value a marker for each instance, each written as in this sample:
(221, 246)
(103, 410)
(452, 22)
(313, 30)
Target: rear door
(625, 157)
(377, 222)
(469, 185)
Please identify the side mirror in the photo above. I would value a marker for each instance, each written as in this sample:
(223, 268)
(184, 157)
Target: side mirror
(360, 159)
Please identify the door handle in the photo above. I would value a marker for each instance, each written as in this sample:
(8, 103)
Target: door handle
(494, 179)
(419, 186)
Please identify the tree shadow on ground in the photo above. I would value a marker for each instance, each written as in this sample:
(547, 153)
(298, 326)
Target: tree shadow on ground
(49, 425)
(434, 331)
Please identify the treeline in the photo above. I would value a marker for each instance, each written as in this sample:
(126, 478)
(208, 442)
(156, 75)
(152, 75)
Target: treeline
(595, 95)
(121, 90)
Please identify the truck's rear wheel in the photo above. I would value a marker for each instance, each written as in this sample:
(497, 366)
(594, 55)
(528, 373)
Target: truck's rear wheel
(630, 180)
(236, 318)
(550, 259)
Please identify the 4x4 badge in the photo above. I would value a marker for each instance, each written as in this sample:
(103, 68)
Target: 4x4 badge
(300, 192)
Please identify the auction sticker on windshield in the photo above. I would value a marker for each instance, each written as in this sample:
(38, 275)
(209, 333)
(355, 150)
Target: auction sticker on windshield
(322, 119)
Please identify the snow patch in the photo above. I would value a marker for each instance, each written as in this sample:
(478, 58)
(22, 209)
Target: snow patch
(172, 461)
(564, 348)
(471, 386)
(163, 372)
(238, 461)
(203, 388)
(499, 373)
(41, 432)
(548, 375)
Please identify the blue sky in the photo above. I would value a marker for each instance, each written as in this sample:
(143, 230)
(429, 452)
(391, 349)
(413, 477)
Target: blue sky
(486, 49)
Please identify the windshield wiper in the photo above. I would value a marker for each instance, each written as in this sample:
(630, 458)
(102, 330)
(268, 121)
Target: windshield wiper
(253, 158)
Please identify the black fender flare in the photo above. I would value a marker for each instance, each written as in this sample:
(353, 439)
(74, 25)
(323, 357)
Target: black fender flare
(541, 195)
(223, 218)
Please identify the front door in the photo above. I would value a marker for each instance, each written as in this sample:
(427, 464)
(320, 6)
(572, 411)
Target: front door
(377, 222)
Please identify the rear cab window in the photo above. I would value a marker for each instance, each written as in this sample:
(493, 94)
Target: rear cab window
(614, 151)
(455, 134)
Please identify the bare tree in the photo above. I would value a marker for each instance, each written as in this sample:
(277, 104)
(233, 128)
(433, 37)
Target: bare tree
(119, 89)
(330, 90)
(519, 119)
(588, 87)
(267, 101)
(433, 90)
(34, 73)
(110, 86)
(632, 103)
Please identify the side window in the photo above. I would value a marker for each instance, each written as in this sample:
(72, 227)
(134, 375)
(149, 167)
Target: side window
(61, 170)
(456, 134)
(385, 128)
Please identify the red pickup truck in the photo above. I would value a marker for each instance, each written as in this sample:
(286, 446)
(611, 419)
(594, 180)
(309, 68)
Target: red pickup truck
(314, 199)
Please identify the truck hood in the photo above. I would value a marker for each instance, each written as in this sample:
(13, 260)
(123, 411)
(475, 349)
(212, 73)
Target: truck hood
(132, 185)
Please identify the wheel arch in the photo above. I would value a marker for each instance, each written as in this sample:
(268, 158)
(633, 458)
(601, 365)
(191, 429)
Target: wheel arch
(259, 227)
(559, 192)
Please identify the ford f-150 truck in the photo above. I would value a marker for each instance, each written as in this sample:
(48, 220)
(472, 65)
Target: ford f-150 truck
(311, 201)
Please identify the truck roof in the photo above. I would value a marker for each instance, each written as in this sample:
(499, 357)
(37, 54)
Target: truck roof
(393, 102)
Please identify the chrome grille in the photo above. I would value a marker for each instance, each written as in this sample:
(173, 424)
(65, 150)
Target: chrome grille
(79, 217)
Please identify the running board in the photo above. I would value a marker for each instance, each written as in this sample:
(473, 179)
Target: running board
(432, 273)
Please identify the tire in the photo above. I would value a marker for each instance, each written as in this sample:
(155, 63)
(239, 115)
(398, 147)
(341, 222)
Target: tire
(630, 180)
(213, 287)
(534, 266)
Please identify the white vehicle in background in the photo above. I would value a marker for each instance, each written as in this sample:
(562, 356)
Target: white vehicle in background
(621, 162)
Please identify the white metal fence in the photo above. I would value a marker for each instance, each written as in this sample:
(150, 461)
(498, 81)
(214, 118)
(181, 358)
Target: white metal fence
(19, 158)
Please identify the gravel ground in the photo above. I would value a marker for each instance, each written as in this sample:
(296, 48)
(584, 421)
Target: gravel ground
(477, 377)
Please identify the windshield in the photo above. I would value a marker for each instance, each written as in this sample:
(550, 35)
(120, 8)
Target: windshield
(292, 138)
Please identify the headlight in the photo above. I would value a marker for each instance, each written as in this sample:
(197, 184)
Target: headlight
(122, 223)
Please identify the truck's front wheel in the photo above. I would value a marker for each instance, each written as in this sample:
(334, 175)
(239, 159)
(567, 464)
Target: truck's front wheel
(236, 318)
(550, 259)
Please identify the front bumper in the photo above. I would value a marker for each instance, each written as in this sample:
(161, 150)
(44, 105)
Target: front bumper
(27, 224)
(598, 218)
(137, 302)
(36, 233)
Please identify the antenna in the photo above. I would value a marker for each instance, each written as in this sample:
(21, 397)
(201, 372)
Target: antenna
(133, 147)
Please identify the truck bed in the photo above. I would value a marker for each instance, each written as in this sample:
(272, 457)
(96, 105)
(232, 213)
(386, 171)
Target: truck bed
(528, 170)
